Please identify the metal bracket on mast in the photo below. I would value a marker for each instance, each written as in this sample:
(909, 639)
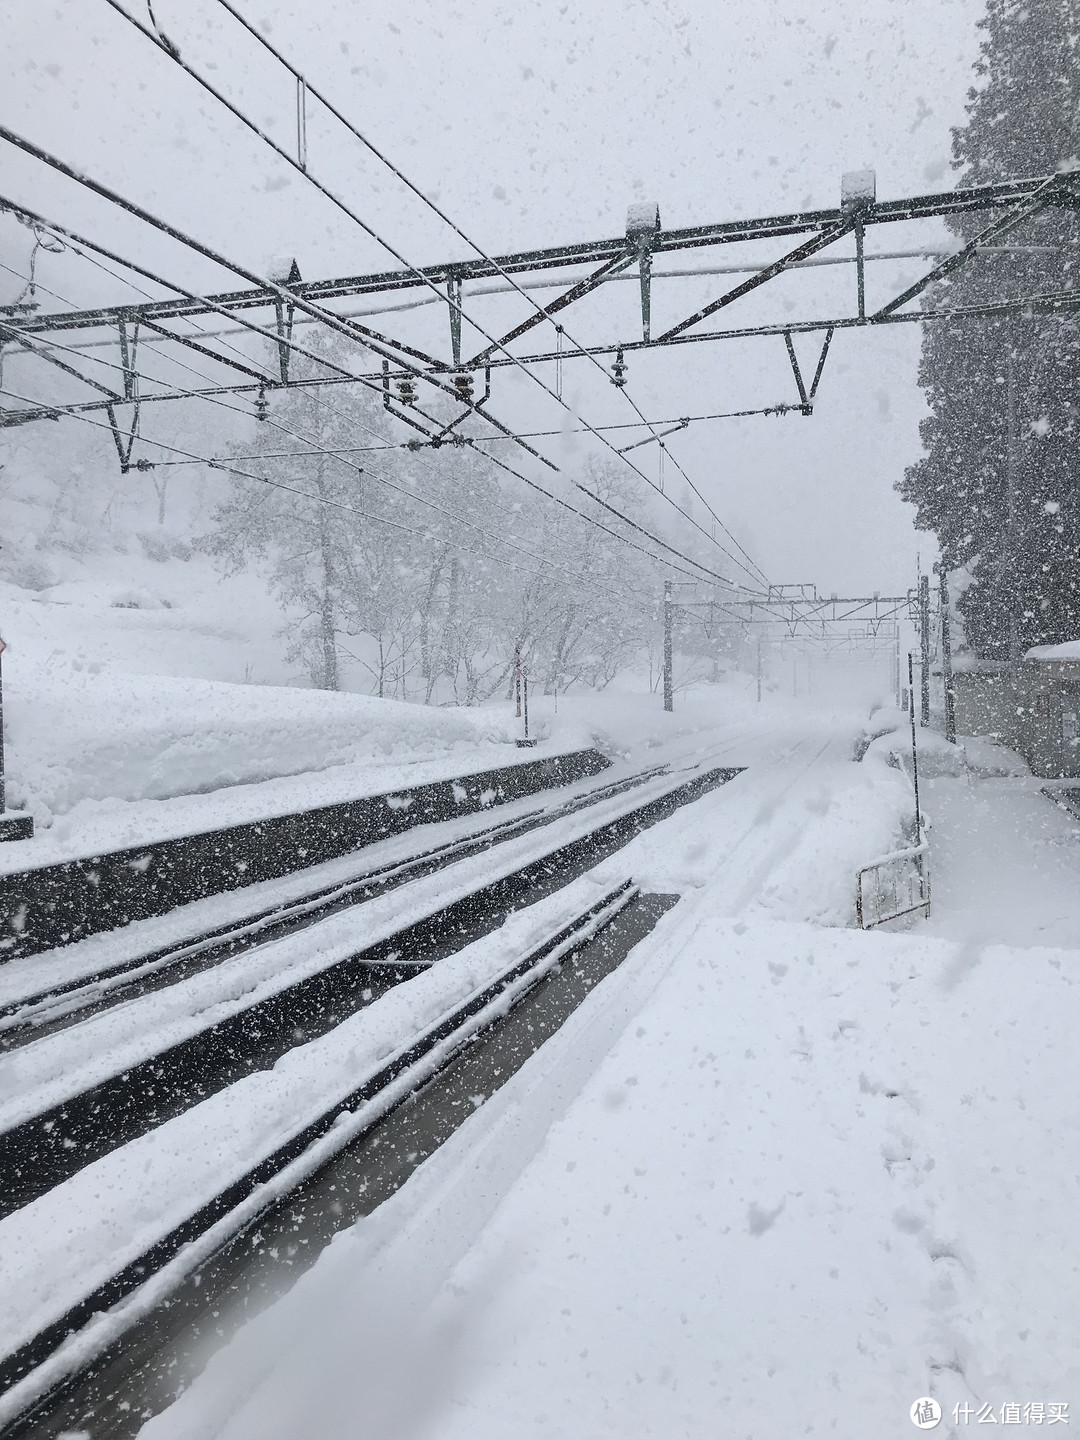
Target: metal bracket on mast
(284, 311)
(806, 397)
(649, 439)
(125, 441)
(463, 386)
(284, 341)
(642, 232)
(453, 300)
(129, 345)
(858, 196)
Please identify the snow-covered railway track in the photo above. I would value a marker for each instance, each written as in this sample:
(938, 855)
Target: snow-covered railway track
(99, 1361)
(100, 1084)
(61, 1003)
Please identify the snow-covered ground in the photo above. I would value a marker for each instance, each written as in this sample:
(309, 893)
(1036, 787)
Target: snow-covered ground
(776, 1176)
(772, 1178)
(133, 714)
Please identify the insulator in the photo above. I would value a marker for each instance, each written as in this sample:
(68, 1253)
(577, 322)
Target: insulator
(463, 384)
(261, 405)
(618, 370)
(406, 391)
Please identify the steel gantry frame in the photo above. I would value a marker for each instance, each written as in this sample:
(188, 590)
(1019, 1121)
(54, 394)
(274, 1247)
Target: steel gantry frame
(799, 609)
(1008, 206)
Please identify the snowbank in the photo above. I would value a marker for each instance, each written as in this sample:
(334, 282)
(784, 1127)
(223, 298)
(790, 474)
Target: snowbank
(127, 692)
(936, 755)
(76, 736)
(1067, 650)
(786, 838)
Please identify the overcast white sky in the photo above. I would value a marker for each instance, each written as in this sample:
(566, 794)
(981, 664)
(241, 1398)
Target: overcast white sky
(536, 122)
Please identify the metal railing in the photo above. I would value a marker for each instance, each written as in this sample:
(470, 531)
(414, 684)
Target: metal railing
(897, 884)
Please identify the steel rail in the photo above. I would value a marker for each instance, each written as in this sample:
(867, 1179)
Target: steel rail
(59, 1006)
(49, 1146)
(42, 1363)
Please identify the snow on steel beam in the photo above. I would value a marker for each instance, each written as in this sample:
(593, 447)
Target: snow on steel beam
(1007, 195)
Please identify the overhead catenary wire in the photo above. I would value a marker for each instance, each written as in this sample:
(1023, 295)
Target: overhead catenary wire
(217, 463)
(557, 499)
(171, 51)
(193, 458)
(290, 298)
(437, 210)
(533, 434)
(270, 335)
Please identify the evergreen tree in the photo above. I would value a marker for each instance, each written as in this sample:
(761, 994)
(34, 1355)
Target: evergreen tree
(1009, 510)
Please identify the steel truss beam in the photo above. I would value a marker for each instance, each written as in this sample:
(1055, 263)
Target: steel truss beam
(1009, 205)
(1010, 196)
(799, 608)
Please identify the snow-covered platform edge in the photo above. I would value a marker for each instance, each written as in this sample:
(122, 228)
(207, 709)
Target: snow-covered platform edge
(48, 905)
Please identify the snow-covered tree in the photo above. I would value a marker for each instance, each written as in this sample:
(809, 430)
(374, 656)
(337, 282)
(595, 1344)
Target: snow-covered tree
(303, 516)
(427, 570)
(1012, 519)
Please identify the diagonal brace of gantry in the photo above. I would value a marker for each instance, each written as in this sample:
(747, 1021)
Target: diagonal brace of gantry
(43, 351)
(1045, 196)
(583, 286)
(806, 249)
(191, 344)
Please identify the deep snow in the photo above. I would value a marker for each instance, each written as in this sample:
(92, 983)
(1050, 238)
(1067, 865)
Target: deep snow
(771, 1179)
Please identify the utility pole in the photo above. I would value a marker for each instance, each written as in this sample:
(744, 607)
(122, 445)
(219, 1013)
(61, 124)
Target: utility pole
(946, 657)
(914, 752)
(517, 679)
(1010, 482)
(668, 686)
(759, 667)
(924, 645)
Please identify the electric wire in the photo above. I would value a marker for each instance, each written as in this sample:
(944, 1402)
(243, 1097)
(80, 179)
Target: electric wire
(436, 209)
(322, 360)
(193, 458)
(303, 169)
(289, 297)
(781, 408)
(334, 454)
(220, 463)
(526, 480)
(528, 434)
